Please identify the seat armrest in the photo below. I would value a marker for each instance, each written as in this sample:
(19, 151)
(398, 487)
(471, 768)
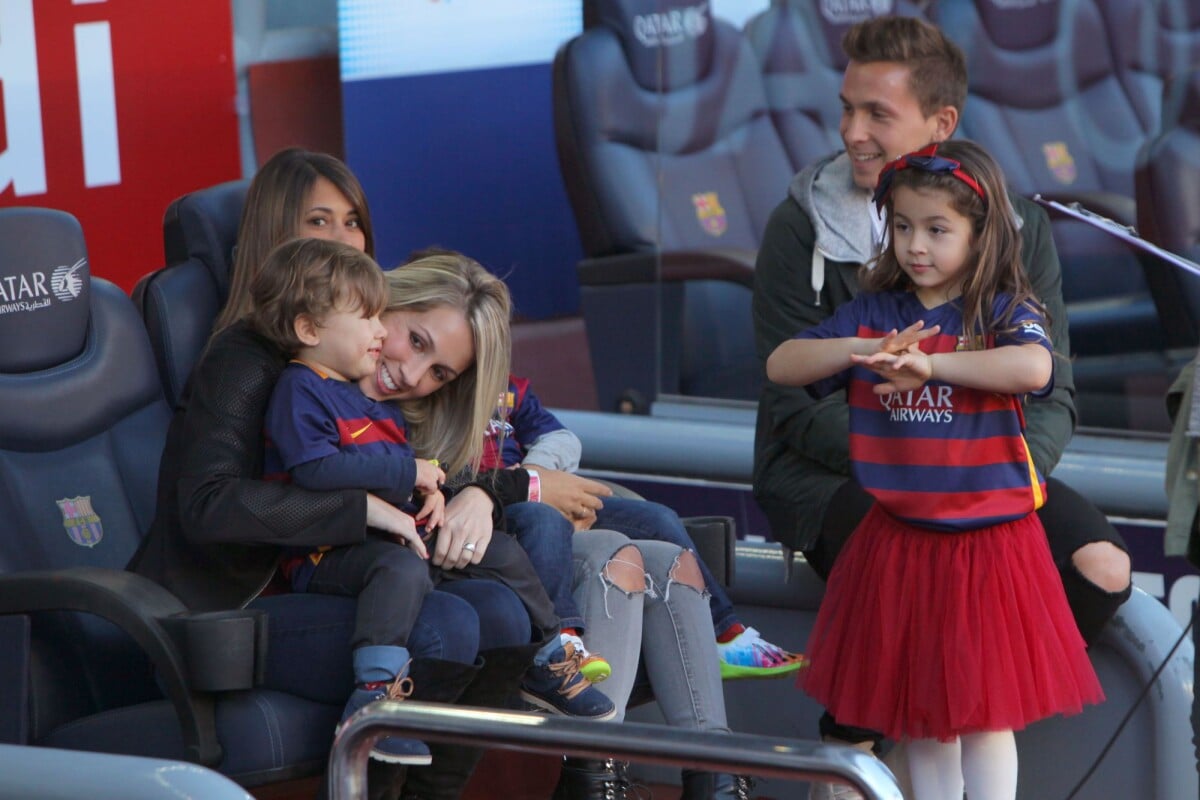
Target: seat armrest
(676, 266)
(140, 608)
(716, 544)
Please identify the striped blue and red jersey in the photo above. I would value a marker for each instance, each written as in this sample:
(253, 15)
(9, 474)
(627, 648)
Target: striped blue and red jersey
(326, 434)
(944, 457)
(519, 421)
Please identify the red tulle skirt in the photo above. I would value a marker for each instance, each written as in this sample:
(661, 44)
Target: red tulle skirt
(927, 635)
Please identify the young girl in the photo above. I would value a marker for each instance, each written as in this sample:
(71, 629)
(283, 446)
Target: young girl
(944, 622)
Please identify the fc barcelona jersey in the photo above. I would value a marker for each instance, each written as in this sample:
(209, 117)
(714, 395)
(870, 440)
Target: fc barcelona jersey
(519, 421)
(942, 456)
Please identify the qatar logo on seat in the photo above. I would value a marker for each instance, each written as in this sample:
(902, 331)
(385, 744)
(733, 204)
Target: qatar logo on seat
(67, 282)
(668, 28)
(849, 12)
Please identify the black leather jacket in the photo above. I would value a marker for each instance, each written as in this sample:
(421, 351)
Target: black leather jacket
(219, 529)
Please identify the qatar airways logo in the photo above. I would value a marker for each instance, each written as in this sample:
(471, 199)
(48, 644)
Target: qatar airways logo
(32, 290)
(668, 28)
(848, 12)
(927, 404)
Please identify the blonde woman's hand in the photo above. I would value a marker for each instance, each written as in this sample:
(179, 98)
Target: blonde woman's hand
(467, 530)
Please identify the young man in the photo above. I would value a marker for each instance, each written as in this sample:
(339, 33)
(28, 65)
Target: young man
(904, 87)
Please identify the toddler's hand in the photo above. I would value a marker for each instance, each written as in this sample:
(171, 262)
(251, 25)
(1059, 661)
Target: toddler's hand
(433, 511)
(391, 520)
(429, 477)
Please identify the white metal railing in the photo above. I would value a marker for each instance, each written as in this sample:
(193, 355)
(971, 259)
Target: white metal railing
(629, 741)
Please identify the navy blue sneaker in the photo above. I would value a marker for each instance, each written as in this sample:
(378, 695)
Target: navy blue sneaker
(559, 687)
(391, 749)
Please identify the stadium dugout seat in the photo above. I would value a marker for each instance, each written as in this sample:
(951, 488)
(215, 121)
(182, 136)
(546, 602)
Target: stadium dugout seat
(1168, 202)
(180, 302)
(1155, 43)
(672, 167)
(93, 657)
(799, 49)
(1046, 100)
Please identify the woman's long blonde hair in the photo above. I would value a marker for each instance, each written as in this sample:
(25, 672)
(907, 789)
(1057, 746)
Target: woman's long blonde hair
(273, 212)
(450, 423)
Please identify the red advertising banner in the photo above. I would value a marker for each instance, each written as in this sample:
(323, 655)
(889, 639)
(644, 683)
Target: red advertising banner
(110, 109)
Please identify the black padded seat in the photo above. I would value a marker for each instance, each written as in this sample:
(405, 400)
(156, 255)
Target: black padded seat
(672, 167)
(94, 657)
(180, 302)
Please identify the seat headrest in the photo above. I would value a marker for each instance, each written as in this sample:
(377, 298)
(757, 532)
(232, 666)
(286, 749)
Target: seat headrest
(45, 287)
(681, 34)
(204, 225)
(1020, 27)
(1179, 16)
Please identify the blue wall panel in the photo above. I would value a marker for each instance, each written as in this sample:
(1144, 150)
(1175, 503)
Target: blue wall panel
(467, 160)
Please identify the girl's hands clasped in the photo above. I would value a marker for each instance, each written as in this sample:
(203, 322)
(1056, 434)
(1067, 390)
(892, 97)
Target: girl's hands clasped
(899, 360)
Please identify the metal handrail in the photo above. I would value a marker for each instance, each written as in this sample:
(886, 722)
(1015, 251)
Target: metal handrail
(629, 741)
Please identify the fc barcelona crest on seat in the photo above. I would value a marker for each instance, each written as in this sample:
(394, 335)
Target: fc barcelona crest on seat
(81, 521)
(709, 213)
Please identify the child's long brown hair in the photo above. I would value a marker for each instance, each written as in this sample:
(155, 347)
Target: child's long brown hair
(995, 241)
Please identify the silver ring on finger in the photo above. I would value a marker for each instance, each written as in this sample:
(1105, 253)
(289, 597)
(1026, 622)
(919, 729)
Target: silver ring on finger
(469, 547)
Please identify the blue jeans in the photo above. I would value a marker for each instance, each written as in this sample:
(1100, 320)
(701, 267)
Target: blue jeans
(642, 520)
(547, 538)
(309, 635)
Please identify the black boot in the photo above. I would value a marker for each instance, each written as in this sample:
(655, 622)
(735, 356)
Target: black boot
(494, 686)
(589, 779)
(707, 786)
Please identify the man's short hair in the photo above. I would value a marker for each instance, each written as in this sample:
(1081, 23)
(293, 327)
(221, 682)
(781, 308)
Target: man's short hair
(937, 67)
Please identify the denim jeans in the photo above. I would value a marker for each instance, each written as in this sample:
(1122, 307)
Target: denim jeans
(309, 635)
(548, 537)
(642, 520)
(666, 626)
(390, 582)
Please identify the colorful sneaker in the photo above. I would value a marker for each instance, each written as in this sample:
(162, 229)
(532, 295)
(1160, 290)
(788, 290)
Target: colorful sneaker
(591, 666)
(391, 749)
(751, 656)
(558, 686)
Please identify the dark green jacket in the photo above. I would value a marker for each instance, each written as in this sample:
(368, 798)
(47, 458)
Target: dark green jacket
(801, 449)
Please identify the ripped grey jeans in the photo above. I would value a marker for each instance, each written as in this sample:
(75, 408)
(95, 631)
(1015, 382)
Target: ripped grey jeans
(667, 627)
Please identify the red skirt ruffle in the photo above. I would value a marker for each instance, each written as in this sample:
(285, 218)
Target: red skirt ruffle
(926, 635)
